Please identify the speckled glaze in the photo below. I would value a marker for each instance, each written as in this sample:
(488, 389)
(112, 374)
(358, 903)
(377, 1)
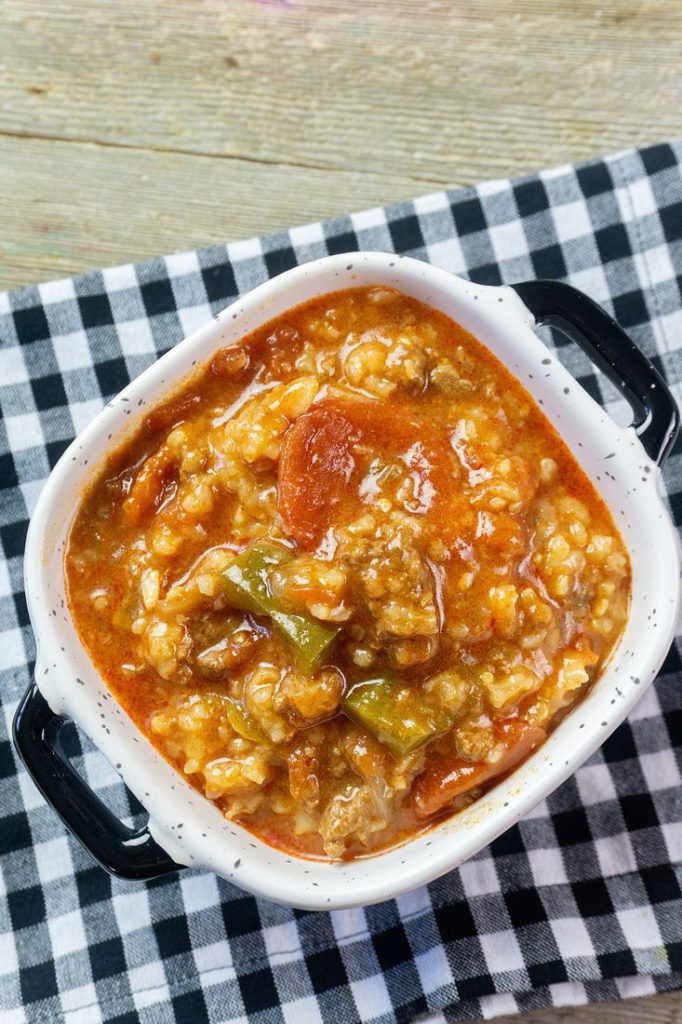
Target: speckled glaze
(186, 824)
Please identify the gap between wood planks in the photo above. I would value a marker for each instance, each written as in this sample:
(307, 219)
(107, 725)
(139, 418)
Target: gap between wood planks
(431, 180)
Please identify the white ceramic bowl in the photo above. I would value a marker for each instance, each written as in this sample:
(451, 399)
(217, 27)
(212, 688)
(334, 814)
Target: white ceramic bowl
(190, 828)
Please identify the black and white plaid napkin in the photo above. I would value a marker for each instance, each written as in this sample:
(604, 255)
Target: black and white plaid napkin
(582, 900)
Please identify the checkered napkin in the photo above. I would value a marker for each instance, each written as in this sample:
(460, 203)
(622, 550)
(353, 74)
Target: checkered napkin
(582, 900)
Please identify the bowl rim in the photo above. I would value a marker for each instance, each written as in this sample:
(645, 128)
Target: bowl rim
(387, 873)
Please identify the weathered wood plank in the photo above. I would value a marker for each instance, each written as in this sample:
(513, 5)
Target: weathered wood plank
(398, 93)
(456, 91)
(69, 206)
(659, 1009)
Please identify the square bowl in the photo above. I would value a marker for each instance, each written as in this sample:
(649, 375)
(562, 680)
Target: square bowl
(184, 828)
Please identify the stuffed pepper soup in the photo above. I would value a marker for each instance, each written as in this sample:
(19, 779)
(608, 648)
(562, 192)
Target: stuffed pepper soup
(347, 577)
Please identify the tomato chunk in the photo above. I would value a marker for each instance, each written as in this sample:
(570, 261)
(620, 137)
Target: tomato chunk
(315, 466)
(448, 775)
(145, 494)
(317, 461)
(172, 412)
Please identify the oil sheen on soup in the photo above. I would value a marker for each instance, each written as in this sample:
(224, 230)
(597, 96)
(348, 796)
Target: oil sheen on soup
(348, 577)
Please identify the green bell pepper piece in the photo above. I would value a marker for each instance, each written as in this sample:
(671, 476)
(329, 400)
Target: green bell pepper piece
(246, 586)
(242, 722)
(395, 715)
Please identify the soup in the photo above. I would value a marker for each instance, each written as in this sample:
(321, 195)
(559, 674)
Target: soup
(348, 577)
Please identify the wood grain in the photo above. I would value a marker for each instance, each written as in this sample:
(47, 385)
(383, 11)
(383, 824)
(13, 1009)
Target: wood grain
(660, 1009)
(83, 205)
(129, 129)
(388, 99)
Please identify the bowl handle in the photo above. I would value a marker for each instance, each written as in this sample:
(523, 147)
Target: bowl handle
(656, 416)
(125, 852)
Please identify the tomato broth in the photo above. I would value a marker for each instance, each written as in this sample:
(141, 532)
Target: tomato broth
(348, 576)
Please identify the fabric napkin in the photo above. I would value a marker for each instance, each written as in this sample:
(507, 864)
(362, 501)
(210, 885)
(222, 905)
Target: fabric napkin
(581, 901)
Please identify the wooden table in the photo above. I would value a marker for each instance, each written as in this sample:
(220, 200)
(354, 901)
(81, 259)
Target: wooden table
(129, 129)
